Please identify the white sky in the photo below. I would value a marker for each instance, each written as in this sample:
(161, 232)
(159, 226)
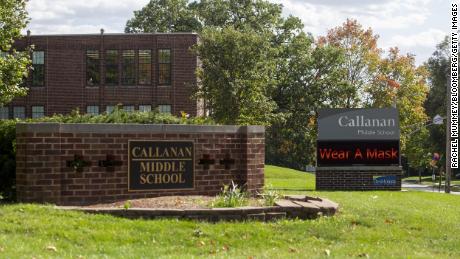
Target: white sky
(415, 26)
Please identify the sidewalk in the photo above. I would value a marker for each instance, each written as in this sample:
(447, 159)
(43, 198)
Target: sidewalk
(423, 187)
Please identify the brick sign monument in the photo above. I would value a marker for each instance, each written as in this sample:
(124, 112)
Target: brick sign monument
(358, 149)
(78, 164)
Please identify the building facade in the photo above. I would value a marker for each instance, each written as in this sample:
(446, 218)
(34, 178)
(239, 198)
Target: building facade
(96, 72)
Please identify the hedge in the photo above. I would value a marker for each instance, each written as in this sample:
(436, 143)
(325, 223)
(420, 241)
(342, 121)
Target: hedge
(8, 136)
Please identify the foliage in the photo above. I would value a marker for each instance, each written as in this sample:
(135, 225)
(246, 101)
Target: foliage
(8, 136)
(270, 195)
(236, 75)
(180, 16)
(127, 205)
(360, 59)
(258, 15)
(438, 66)
(260, 68)
(401, 83)
(231, 196)
(13, 64)
(163, 16)
(7, 160)
(310, 77)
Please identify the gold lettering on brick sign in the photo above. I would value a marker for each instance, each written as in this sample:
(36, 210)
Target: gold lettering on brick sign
(158, 165)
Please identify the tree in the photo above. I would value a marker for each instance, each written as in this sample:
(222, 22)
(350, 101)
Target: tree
(361, 58)
(400, 83)
(311, 76)
(438, 66)
(259, 15)
(164, 16)
(236, 75)
(13, 64)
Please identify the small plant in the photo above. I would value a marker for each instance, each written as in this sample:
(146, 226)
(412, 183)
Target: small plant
(270, 195)
(127, 205)
(231, 196)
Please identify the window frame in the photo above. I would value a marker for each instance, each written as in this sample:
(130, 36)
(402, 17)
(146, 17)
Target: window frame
(23, 109)
(133, 110)
(134, 70)
(98, 65)
(107, 108)
(33, 113)
(150, 69)
(145, 105)
(164, 105)
(161, 64)
(92, 113)
(115, 66)
(2, 112)
(35, 69)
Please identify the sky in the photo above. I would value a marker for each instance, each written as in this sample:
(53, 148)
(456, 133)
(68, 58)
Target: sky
(415, 26)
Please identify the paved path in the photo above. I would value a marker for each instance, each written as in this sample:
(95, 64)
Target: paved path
(423, 187)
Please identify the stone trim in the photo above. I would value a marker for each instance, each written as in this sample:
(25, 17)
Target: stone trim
(138, 128)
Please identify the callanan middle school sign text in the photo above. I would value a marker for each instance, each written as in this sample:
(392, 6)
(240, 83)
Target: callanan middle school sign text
(358, 137)
(156, 165)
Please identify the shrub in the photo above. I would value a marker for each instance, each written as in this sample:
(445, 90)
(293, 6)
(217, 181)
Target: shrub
(231, 196)
(118, 115)
(270, 195)
(7, 159)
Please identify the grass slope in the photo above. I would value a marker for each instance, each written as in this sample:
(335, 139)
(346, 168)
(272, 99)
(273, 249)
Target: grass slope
(374, 224)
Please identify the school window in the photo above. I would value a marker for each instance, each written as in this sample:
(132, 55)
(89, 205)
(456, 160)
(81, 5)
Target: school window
(128, 108)
(164, 67)
(93, 69)
(128, 74)
(92, 109)
(109, 108)
(38, 111)
(4, 113)
(145, 67)
(145, 108)
(19, 112)
(164, 108)
(38, 66)
(111, 67)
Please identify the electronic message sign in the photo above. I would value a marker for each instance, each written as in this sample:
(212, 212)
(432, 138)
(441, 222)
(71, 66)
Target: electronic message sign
(358, 137)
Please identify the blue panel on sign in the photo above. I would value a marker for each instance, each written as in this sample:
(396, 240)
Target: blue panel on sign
(385, 180)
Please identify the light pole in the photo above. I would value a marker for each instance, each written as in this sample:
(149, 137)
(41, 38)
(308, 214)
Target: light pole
(448, 169)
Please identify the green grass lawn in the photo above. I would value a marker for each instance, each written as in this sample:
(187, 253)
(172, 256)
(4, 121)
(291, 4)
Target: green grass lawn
(374, 224)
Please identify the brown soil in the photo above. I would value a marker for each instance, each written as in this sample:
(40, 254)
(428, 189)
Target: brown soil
(169, 202)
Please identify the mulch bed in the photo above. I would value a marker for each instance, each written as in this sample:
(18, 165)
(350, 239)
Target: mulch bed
(169, 202)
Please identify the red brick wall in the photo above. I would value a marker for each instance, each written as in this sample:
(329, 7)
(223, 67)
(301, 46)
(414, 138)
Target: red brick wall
(357, 178)
(43, 149)
(65, 73)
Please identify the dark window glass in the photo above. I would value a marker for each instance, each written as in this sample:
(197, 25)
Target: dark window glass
(145, 67)
(164, 108)
(38, 111)
(93, 73)
(38, 65)
(128, 76)
(19, 112)
(111, 67)
(164, 67)
(4, 113)
(92, 109)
